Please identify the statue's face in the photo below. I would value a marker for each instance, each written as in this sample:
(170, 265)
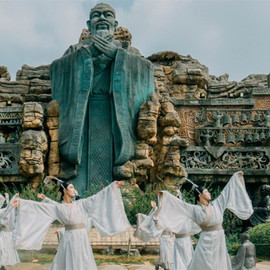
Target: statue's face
(102, 21)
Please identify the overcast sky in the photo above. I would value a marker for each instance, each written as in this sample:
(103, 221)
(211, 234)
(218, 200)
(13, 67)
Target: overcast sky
(227, 36)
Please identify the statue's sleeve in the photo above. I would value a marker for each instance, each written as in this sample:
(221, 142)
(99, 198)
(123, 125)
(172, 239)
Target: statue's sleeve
(132, 84)
(71, 81)
(32, 224)
(106, 209)
(176, 215)
(235, 197)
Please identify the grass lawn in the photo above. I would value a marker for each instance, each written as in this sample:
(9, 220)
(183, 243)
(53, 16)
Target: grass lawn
(46, 256)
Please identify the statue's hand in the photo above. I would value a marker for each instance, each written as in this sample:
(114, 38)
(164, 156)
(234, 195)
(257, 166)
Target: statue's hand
(93, 49)
(104, 46)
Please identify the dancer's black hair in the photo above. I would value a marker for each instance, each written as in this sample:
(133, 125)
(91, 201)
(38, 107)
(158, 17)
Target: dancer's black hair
(63, 185)
(198, 191)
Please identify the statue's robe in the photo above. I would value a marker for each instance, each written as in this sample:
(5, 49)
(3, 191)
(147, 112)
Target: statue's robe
(99, 100)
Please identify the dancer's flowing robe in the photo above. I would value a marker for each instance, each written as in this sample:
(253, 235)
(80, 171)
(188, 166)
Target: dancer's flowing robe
(74, 252)
(211, 252)
(166, 238)
(8, 253)
(183, 252)
(180, 248)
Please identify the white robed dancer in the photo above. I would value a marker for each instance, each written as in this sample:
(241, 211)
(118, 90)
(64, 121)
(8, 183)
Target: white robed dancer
(8, 253)
(61, 232)
(74, 252)
(211, 252)
(166, 238)
(183, 247)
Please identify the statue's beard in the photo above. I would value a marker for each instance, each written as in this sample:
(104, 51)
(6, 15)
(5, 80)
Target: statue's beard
(105, 33)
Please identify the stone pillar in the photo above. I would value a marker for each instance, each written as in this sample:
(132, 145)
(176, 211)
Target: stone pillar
(53, 125)
(34, 144)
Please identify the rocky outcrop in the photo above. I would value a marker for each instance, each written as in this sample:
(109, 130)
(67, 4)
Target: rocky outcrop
(32, 116)
(221, 87)
(4, 74)
(185, 77)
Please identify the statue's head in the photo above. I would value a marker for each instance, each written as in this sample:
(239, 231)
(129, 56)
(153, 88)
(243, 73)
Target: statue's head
(102, 20)
(265, 190)
(244, 236)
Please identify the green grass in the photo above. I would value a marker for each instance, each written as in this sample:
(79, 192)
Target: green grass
(46, 257)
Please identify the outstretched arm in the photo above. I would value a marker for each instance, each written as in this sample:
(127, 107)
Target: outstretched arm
(107, 210)
(33, 222)
(146, 225)
(235, 197)
(175, 215)
(46, 199)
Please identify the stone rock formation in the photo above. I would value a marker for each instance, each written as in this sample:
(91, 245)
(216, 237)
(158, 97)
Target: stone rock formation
(4, 74)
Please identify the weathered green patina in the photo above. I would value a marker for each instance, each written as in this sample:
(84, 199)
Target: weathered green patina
(100, 85)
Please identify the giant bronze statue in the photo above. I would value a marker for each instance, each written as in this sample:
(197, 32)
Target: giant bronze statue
(100, 84)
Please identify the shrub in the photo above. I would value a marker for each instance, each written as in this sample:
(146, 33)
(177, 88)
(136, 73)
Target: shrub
(260, 237)
(26, 191)
(136, 201)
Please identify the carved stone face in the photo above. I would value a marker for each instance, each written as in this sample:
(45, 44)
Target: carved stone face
(102, 21)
